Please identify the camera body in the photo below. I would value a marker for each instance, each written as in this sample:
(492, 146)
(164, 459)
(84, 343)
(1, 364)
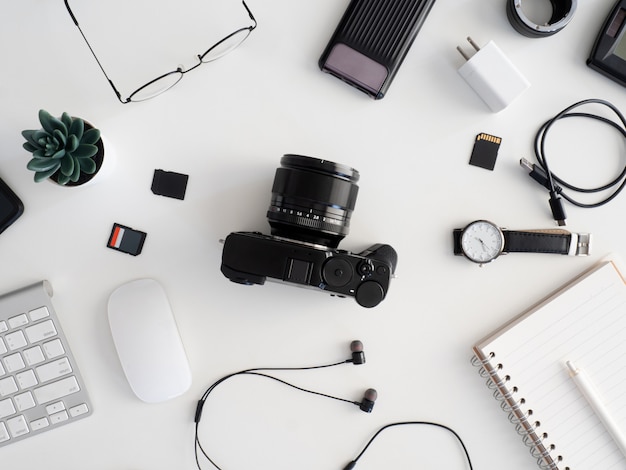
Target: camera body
(309, 214)
(251, 257)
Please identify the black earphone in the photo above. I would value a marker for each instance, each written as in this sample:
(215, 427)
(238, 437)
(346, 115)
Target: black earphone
(366, 404)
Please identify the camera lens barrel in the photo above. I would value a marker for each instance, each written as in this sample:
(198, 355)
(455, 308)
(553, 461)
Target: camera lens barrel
(562, 13)
(312, 200)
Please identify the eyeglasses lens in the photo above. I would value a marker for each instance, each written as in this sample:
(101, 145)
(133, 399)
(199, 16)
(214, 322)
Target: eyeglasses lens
(226, 45)
(157, 86)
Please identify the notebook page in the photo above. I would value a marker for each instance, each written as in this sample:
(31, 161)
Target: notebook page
(586, 324)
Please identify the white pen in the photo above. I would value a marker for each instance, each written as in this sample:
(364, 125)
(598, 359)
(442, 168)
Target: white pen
(589, 392)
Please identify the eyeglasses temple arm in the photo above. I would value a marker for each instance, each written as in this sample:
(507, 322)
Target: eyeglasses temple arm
(249, 13)
(117, 93)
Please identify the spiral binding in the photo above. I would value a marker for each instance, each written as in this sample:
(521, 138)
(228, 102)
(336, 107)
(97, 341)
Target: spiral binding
(525, 427)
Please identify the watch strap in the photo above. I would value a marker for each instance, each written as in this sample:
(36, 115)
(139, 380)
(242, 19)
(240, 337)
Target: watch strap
(537, 241)
(456, 234)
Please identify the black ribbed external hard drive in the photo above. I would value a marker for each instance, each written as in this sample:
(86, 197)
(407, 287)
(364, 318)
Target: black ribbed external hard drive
(371, 41)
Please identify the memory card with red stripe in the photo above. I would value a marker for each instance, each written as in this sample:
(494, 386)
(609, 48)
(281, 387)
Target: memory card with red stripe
(126, 239)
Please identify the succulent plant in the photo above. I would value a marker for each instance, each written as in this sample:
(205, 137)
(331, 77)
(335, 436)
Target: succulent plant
(62, 148)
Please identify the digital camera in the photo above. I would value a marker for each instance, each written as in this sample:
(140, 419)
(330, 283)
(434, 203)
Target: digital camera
(309, 214)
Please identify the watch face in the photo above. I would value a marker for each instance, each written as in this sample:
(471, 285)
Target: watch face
(482, 241)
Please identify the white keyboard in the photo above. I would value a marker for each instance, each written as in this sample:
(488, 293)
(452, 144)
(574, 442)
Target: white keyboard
(40, 385)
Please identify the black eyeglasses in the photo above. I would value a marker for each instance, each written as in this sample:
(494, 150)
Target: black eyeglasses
(168, 80)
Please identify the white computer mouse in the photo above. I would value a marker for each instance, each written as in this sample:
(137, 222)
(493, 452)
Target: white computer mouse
(147, 341)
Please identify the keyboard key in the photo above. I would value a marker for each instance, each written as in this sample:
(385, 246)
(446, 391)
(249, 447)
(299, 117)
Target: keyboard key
(40, 331)
(56, 390)
(3, 348)
(7, 386)
(4, 434)
(26, 379)
(53, 348)
(40, 423)
(55, 407)
(6, 408)
(17, 426)
(14, 362)
(24, 401)
(33, 356)
(54, 370)
(79, 410)
(3, 326)
(59, 417)
(17, 321)
(38, 313)
(15, 340)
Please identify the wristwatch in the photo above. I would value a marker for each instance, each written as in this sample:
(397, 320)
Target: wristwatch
(482, 241)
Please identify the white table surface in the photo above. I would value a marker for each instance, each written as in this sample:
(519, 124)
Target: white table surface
(226, 125)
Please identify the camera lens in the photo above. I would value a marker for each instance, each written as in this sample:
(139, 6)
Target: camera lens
(312, 200)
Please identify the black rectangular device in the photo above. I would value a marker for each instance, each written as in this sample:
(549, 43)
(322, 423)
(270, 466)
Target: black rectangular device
(371, 41)
(608, 55)
(11, 206)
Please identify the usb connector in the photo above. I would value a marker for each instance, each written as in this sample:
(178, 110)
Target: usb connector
(540, 176)
(558, 211)
(526, 164)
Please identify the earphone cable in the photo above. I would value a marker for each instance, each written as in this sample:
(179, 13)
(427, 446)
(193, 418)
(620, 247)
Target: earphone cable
(268, 369)
(352, 464)
(258, 372)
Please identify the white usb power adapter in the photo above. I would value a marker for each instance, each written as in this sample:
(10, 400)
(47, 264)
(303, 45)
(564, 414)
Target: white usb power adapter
(492, 75)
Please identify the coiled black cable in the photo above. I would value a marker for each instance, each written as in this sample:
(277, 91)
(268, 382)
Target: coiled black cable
(557, 185)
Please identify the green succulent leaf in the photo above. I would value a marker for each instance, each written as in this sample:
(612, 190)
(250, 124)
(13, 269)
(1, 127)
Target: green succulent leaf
(91, 136)
(28, 135)
(67, 120)
(85, 151)
(58, 154)
(77, 128)
(76, 174)
(88, 166)
(67, 165)
(72, 143)
(42, 164)
(60, 137)
(43, 175)
(50, 123)
(39, 153)
(63, 179)
(29, 147)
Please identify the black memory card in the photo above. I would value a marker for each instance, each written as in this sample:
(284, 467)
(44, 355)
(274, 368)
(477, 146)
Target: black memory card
(485, 151)
(126, 239)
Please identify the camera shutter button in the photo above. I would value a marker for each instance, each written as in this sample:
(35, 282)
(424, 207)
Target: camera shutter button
(337, 272)
(366, 267)
(369, 294)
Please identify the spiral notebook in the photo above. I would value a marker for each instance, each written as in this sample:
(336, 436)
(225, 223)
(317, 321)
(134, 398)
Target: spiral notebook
(523, 363)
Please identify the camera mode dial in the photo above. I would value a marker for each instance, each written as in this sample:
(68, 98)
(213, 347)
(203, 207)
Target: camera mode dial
(337, 272)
